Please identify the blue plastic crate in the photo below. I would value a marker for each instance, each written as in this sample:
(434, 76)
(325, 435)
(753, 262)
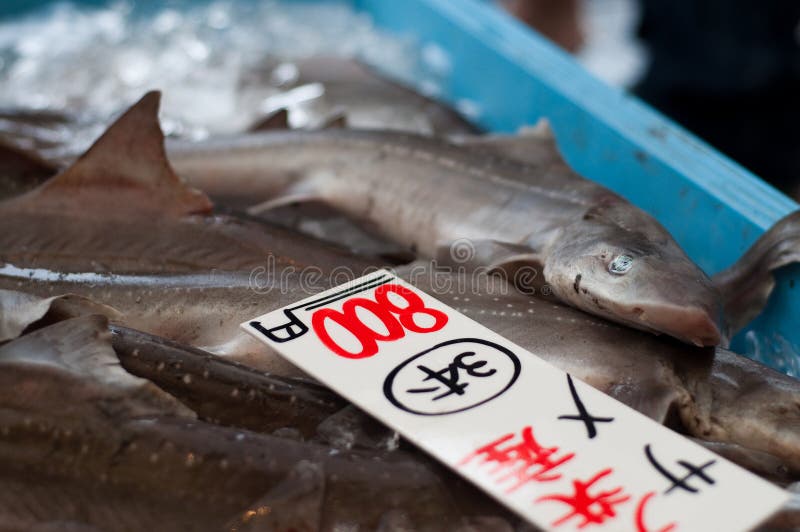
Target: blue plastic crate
(512, 77)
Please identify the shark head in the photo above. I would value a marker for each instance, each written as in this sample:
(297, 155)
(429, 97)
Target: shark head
(620, 263)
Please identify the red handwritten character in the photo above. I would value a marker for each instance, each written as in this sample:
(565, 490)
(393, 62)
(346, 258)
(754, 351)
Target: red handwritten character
(640, 525)
(349, 320)
(413, 305)
(591, 509)
(526, 461)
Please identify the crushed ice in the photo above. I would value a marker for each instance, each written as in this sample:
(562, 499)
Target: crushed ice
(93, 61)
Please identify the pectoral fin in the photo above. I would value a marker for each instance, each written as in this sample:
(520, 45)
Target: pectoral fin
(20, 310)
(297, 193)
(520, 263)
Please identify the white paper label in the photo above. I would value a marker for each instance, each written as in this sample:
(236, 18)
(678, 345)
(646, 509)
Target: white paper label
(553, 449)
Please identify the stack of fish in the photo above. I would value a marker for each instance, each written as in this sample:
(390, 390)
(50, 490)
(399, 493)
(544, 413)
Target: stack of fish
(132, 399)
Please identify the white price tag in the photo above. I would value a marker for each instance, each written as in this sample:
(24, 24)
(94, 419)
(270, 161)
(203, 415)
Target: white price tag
(558, 452)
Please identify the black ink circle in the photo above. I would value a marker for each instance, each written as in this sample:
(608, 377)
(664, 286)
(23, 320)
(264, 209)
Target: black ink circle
(387, 384)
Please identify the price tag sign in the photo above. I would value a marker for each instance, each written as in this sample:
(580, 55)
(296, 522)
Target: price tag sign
(553, 449)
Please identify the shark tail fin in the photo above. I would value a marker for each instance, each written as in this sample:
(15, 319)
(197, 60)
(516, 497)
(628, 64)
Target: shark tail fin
(747, 285)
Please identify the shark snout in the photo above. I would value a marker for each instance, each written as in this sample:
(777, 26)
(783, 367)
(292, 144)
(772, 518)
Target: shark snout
(691, 324)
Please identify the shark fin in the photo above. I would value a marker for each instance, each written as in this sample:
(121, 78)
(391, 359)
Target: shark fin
(335, 120)
(277, 120)
(282, 201)
(19, 311)
(301, 191)
(484, 253)
(535, 146)
(280, 120)
(126, 168)
(79, 351)
(746, 285)
(519, 263)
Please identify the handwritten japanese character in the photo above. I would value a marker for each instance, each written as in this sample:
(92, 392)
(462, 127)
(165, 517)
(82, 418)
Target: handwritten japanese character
(640, 526)
(591, 509)
(526, 461)
(583, 415)
(682, 482)
(450, 375)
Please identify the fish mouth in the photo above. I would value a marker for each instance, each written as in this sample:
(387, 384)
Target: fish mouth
(691, 324)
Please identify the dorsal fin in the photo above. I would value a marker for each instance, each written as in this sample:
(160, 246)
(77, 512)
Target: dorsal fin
(277, 120)
(335, 120)
(125, 170)
(535, 146)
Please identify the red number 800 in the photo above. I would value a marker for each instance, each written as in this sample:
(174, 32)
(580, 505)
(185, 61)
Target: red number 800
(396, 320)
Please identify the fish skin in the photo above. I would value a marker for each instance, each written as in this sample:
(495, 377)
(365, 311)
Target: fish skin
(84, 442)
(533, 145)
(62, 241)
(352, 428)
(763, 464)
(204, 309)
(746, 404)
(364, 97)
(554, 220)
(123, 489)
(224, 392)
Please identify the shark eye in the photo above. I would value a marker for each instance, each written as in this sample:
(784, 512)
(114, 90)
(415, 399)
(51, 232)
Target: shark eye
(621, 264)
